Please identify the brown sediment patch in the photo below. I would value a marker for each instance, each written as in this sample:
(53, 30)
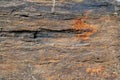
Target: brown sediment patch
(8, 67)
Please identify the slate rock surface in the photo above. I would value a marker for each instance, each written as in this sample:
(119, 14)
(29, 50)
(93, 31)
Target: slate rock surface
(36, 44)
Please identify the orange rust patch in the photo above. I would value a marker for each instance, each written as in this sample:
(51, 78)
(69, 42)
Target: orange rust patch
(81, 25)
(92, 71)
(80, 65)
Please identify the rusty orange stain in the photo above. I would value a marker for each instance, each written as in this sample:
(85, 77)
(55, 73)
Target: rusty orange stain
(81, 25)
(97, 70)
(80, 65)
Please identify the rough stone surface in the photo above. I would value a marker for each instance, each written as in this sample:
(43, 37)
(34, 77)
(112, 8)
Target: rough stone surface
(36, 44)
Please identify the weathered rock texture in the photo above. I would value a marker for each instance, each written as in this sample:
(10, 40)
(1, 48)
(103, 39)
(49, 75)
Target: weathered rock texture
(36, 44)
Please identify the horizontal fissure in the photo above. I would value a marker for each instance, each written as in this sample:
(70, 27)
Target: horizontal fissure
(42, 32)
